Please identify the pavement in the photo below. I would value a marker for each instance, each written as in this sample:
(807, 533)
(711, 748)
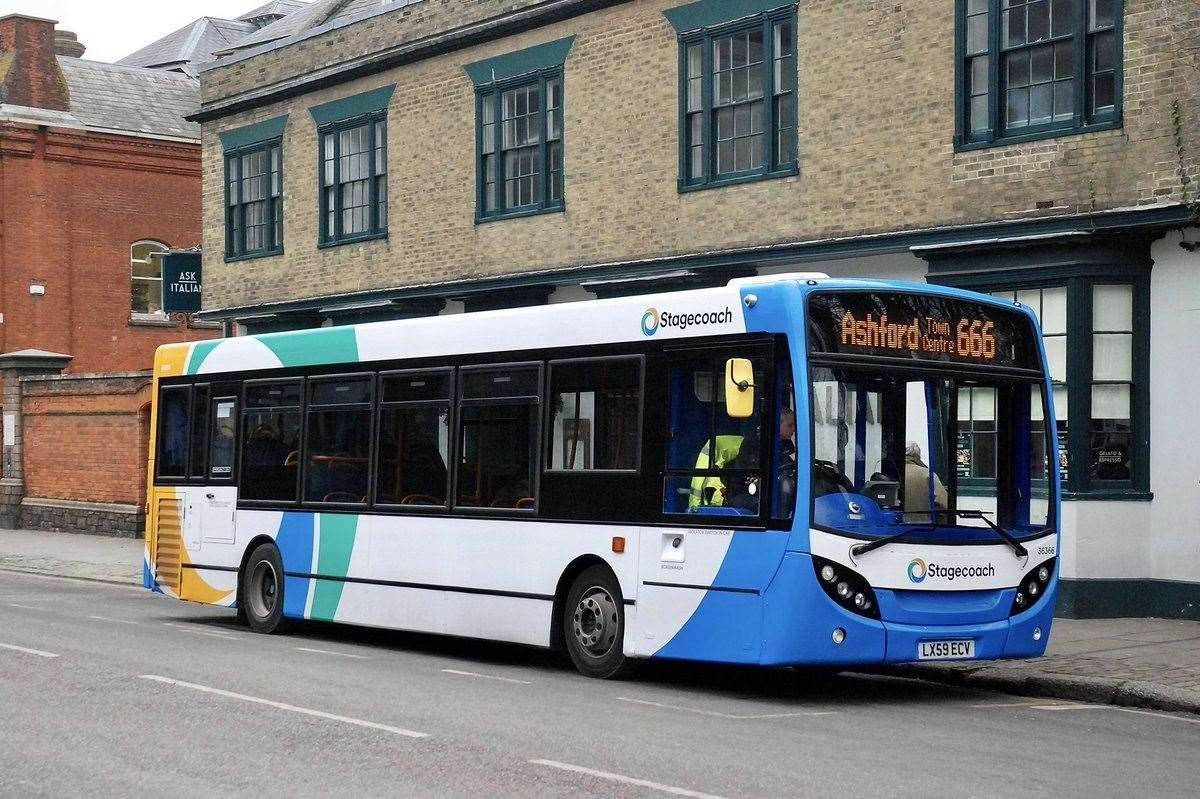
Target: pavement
(109, 690)
(1140, 663)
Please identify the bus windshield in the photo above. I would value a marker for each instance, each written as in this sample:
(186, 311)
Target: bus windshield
(943, 454)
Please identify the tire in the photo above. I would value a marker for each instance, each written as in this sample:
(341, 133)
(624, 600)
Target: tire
(593, 625)
(260, 590)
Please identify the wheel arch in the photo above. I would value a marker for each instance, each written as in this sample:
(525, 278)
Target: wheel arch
(573, 570)
(254, 544)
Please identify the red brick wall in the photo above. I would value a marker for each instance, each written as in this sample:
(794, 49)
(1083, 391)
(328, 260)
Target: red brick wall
(71, 204)
(33, 78)
(86, 438)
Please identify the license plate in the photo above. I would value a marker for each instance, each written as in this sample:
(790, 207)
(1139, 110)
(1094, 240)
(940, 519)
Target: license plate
(945, 650)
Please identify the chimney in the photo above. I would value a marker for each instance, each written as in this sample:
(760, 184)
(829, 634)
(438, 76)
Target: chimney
(68, 44)
(29, 70)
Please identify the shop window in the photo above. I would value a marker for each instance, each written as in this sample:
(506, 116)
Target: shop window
(1037, 68)
(145, 261)
(354, 197)
(738, 101)
(254, 200)
(338, 439)
(271, 442)
(414, 439)
(596, 408)
(520, 159)
(498, 434)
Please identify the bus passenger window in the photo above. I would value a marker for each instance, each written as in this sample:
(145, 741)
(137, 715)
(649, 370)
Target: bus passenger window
(221, 447)
(271, 442)
(199, 427)
(596, 415)
(338, 440)
(498, 427)
(174, 426)
(414, 439)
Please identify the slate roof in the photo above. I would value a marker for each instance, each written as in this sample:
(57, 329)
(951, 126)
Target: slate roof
(275, 8)
(321, 15)
(132, 99)
(191, 45)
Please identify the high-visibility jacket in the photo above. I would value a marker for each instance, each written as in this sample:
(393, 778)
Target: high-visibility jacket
(728, 448)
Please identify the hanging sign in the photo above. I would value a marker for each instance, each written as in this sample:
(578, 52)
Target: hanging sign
(181, 282)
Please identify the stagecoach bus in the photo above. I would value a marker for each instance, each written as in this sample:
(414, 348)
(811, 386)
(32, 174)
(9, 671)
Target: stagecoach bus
(788, 470)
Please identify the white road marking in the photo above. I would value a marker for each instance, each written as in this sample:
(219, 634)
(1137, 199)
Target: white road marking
(320, 714)
(720, 715)
(211, 633)
(988, 705)
(115, 621)
(608, 775)
(1155, 713)
(22, 607)
(28, 651)
(485, 676)
(330, 652)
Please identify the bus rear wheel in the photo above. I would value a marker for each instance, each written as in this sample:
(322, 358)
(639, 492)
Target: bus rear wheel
(593, 624)
(260, 590)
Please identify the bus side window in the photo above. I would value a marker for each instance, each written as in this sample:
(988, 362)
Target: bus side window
(173, 426)
(222, 443)
(199, 425)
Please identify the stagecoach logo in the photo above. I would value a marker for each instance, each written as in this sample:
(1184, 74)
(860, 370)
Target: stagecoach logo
(917, 570)
(652, 320)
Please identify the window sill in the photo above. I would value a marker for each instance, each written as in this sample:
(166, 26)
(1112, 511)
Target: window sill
(200, 324)
(323, 245)
(1108, 495)
(518, 214)
(253, 256)
(150, 320)
(737, 180)
(1036, 135)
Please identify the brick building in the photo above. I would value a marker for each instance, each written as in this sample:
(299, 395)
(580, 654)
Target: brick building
(441, 156)
(99, 173)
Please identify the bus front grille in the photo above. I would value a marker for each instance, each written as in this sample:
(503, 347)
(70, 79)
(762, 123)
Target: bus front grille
(169, 542)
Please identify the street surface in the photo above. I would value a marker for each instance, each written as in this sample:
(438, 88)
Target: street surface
(111, 691)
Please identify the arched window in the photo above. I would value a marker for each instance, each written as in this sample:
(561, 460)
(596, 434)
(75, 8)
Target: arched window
(146, 272)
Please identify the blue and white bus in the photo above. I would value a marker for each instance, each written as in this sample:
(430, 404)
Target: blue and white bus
(788, 470)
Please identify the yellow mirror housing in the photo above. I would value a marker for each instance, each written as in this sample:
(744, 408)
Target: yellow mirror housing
(739, 388)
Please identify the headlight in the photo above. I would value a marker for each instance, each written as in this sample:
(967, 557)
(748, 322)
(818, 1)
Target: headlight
(1032, 586)
(846, 587)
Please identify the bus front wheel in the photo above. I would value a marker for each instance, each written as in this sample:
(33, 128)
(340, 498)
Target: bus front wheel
(260, 590)
(593, 624)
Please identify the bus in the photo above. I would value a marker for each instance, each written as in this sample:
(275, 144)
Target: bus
(786, 470)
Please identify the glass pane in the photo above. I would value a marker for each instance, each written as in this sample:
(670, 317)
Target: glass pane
(224, 432)
(1056, 354)
(977, 34)
(502, 382)
(1018, 69)
(979, 75)
(1039, 20)
(1013, 26)
(338, 448)
(173, 429)
(1041, 104)
(695, 61)
(1042, 59)
(497, 455)
(596, 411)
(1061, 409)
(1064, 99)
(273, 395)
(1110, 402)
(270, 454)
(725, 157)
(979, 113)
(145, 295)
(1018, 107)
(977, 6)
(1103, 91)
(414, 448)
(1112, 308)
(1062, 17)
(422, 387)
(983, 404)
(342, 391)
(1104, 54)
(783, 39)
(1100, 13)
(199, 429)
(1064, 60)
(1054, 310)
(1112, 356)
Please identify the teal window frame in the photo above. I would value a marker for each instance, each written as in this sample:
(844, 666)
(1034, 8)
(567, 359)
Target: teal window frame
(1083, 118)
(235, 205)
(771, 167)
(550, 179)
(377, 205)
(1079, 284)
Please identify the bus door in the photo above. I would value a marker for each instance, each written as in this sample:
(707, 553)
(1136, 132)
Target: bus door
(211, 508)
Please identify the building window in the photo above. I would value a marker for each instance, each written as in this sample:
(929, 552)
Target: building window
(1091, 340)
(738, 101)
(1036, 68)
(254, 201)
(520, 133)
(354, 197)
(145, 261)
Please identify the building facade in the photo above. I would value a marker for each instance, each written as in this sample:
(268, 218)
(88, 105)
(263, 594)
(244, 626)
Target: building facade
(442, 156)
(99, 176)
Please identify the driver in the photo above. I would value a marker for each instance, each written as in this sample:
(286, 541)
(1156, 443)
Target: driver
(916, 484)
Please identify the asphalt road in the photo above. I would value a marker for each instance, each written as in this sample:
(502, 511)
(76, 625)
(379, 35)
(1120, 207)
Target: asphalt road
(112, 691)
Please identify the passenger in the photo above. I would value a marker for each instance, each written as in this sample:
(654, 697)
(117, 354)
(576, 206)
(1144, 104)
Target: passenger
(916, 485)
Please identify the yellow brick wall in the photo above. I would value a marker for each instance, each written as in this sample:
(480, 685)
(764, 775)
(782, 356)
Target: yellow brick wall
(876, 87)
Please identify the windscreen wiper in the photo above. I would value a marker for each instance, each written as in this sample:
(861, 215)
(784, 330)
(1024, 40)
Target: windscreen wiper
(862, 549)
(1020, 551)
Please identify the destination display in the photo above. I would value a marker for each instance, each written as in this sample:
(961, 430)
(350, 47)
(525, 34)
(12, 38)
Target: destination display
(920, 327)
